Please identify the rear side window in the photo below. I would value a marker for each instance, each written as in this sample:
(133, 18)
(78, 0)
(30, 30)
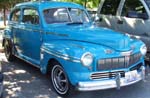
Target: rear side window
(30, 16)
(15, 16)
(110, 7)
(132, 5)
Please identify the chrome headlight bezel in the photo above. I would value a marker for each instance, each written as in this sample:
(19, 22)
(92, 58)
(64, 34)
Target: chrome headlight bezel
(87, 59)
(143, 50)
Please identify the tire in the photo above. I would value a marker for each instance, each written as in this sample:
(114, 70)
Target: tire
(8, 50)
(60, 81)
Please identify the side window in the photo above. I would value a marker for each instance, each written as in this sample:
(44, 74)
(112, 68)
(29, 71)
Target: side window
(110, 7)
(30, 16)
(134, 7)
(15, 15)
(56, 15)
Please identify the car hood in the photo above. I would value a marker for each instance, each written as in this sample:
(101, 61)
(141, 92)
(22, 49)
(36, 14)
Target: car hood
(93, 34)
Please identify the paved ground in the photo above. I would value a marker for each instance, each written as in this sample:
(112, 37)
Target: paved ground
(21, 80)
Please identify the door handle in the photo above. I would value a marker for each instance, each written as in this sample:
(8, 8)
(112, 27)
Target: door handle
(120, 22)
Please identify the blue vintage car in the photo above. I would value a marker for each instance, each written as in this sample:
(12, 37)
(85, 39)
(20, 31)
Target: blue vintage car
(60, 39)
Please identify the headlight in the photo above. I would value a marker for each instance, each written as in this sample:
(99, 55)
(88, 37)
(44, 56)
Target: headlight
(87, 59)
(143, 49)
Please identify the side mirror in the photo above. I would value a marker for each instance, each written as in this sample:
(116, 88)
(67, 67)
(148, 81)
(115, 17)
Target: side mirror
(134, 14)
(96, 19)
(92, 15)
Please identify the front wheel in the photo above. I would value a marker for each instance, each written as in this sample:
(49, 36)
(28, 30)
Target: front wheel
(60, 80)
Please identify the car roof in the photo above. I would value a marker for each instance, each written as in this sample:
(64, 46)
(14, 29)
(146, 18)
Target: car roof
(49, 4)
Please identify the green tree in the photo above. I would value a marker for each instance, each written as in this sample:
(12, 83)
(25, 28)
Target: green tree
(6, 5)
(85, 3)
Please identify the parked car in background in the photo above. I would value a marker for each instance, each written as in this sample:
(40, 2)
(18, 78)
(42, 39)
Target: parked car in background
(60, 39)
(128, 16)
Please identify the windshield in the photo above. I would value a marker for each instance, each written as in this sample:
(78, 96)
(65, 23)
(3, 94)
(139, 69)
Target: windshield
(65, 15)
(148, 3)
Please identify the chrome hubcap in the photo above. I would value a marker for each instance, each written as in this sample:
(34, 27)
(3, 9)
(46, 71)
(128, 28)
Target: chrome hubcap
(59, 79)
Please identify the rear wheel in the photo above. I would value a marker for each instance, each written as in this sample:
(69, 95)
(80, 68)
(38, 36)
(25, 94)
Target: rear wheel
(60, 80)
(8, 50)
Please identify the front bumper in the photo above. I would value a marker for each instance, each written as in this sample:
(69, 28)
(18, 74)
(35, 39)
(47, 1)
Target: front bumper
(131, 77)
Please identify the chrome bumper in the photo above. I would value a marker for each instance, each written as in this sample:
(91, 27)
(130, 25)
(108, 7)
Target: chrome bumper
(131, 77)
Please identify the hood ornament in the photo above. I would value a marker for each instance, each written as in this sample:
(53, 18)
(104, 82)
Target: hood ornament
(127, 53)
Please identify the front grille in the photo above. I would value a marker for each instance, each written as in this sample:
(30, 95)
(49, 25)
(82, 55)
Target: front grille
(111, 75)
(118, 63)
(103, 75)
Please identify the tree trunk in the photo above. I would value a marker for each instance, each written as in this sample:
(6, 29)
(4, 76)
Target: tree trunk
(99, 1)
(85, 2)
(4, 13)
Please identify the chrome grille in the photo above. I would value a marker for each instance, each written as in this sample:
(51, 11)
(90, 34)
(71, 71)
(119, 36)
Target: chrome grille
(117, 63)
(111, 75)
(104, 75)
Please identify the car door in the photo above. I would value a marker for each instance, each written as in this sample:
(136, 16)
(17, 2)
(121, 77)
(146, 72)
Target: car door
(30, 35)
(135, 20)
(14, 26)
(107, 13)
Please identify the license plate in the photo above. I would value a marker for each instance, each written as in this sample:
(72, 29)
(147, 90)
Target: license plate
(131, 76)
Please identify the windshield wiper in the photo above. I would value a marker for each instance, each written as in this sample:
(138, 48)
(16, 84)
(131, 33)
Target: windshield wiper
(71, 23)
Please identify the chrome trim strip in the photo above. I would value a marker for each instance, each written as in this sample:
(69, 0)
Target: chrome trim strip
(127, 53)
(62, 56)
(57, 34)
(58, 53)
(105, 73)
(33, 30)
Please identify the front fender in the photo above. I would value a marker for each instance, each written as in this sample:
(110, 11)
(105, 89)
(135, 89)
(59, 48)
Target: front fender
(64, 50)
